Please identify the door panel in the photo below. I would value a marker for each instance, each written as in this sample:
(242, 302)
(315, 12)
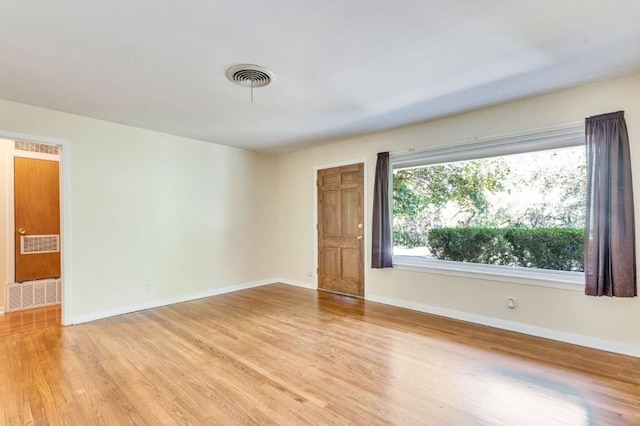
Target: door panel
(340, 229)
(350, 262)
(350, 217)
(350, 177)
(330, 179)
(331, 262)
(329, 218)
(37, 213)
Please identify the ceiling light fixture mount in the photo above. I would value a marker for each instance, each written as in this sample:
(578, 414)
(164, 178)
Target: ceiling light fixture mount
(249, 75)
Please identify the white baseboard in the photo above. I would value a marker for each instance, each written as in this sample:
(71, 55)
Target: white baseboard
(79, 319)
(296, 283)
(1, 311)
(547, 333)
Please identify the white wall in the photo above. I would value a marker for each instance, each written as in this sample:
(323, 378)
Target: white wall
(556, 310)
(189, 216)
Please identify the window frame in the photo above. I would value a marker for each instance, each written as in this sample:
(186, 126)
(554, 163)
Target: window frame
(564, 136)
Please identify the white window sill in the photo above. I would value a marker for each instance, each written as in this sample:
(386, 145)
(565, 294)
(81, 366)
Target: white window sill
(527, 276)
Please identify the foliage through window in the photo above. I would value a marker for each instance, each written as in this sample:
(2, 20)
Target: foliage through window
(522, 210)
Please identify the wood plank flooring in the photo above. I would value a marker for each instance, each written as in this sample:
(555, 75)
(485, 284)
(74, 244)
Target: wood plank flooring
(283, 355)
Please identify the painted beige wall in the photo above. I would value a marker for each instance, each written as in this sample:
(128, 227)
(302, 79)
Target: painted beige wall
(4, 170)
(187, 215)
(191, 216)
(556, 309)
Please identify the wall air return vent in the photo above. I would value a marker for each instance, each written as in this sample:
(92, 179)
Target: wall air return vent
(33, 244)
(37, 147)
(33, 294)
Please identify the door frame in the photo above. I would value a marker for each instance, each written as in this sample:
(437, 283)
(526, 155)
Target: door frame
(65, 218)
(365, 206)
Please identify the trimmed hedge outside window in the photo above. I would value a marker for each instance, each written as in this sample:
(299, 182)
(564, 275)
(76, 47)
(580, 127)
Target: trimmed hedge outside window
(559, 249)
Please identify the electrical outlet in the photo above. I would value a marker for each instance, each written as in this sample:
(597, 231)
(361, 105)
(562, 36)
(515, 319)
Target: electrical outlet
(511, 303)
(149, 286)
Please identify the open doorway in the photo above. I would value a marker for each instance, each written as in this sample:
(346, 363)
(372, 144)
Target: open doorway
(33, 272)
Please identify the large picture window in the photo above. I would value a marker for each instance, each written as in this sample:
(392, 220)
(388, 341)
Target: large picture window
(518, 205)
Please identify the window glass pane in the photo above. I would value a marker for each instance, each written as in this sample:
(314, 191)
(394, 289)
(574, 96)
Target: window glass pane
(522, 210)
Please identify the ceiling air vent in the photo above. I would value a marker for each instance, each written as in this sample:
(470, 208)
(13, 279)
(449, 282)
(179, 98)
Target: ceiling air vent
(248, 75)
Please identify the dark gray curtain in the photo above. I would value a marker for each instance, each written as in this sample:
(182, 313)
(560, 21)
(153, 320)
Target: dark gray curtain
(381, 249)
(609, 246)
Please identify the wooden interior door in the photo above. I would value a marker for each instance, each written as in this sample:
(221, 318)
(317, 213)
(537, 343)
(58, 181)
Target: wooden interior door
(37, 218)
(341, 230)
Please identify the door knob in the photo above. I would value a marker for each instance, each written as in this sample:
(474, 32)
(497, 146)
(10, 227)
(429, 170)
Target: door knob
(359, 237)
(22, 231)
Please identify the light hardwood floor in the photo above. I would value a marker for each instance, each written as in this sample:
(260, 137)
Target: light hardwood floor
(284, 355)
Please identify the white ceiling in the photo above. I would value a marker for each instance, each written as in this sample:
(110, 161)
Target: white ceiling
(342, 67)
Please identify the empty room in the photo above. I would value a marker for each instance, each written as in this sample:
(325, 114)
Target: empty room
(323, 213)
